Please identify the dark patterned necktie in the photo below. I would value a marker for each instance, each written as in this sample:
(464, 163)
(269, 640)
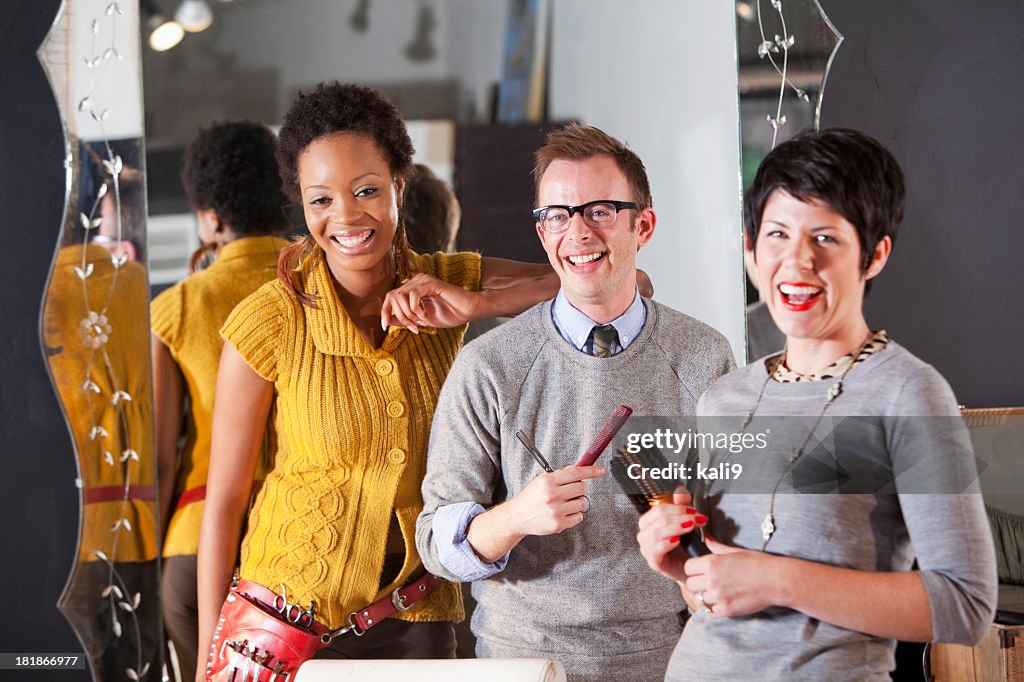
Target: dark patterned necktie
(605, 337)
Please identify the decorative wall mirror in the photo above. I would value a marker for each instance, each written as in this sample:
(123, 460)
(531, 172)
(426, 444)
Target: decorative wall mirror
(95, 336)
(785, 52)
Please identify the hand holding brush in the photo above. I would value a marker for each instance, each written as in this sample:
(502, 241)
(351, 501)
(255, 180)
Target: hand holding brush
(664, 504)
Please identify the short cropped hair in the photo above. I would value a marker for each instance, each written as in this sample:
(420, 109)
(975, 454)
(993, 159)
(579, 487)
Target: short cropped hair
(431, 212)
(330, 109)
(342, 108)
(577, 142)
(848, 170)
(231, 168)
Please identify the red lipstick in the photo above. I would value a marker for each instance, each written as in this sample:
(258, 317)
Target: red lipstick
(799, 296)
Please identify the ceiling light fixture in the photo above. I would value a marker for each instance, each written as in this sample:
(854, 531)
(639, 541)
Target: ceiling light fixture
(359, 20)
(164, 33)
(744, 11)
(421, 47)
(194, 15)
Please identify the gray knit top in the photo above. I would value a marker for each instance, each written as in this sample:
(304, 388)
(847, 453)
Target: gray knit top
(584, 596)
(924, 505)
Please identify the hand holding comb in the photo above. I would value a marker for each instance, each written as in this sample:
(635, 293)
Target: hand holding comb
(605, 435)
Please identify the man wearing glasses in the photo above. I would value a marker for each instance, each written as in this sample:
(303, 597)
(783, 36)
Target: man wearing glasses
(557, 574)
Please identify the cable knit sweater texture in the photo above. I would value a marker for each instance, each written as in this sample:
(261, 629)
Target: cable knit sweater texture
(352, 424)
(186, 318)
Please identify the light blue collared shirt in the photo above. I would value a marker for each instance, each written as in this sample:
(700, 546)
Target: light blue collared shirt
(451, 521)
(575, 327)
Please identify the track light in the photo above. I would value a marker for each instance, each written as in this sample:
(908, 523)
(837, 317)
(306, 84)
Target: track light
(745, 11)
(421, 47)
(164, 33)
(194, 15)
(359, 20)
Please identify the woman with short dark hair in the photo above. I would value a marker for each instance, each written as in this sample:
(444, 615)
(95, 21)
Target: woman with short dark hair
(819, 586)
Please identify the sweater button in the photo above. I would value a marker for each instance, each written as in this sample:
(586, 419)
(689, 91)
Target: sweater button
(396, 409)
(396, 455)
(384, 367)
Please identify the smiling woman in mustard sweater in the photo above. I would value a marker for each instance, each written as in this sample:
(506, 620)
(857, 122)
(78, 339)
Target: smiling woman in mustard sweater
(345, 353)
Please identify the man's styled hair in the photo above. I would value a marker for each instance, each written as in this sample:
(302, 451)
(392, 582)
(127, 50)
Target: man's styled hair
(577, 142)
(430, 211)
(848, 170)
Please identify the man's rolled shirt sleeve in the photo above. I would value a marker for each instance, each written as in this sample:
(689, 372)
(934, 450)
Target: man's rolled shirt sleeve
(453, 549)
(463, 468)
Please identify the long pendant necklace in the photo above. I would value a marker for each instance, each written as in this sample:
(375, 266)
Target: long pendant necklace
(768, 523)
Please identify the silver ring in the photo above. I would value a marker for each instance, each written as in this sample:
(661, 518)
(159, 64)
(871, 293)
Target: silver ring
(705, 607)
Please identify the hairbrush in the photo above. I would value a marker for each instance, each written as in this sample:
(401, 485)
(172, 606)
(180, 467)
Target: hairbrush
(605, 435)
(645, 493)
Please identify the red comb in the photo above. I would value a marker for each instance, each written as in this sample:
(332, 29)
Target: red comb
(608, 431)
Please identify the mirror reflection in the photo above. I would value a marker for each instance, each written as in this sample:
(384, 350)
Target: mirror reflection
(95, 329)
(477, 107)
(785, 51)
(479, 83)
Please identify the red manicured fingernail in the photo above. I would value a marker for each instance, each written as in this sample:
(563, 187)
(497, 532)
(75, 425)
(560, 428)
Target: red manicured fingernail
(675, 539)
(686, 524)
(691, 510)
(708, 536)
(700, 518)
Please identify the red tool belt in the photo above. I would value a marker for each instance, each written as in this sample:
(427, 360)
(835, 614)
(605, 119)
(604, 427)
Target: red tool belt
(260, 637)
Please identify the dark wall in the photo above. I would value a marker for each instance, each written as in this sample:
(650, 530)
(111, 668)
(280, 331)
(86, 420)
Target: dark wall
(940, 83)
(38, 499)
(494, 184)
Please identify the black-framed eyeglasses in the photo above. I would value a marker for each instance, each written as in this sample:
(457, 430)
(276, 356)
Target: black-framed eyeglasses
(596, 214)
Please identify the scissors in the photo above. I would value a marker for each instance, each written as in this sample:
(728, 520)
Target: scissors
(293, 613)
(532, 449)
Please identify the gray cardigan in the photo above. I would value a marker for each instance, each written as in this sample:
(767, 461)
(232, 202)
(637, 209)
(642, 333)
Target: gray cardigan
(585, 596)
(928, 508)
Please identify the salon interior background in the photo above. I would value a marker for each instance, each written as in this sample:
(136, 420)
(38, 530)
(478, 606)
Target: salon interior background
(938, 81)
(605, 68)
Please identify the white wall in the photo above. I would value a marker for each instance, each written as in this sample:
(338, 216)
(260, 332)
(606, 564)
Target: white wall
(476, 31)
(670, 68)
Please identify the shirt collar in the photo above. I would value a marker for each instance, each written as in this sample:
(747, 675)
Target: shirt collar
(575, 327)
(94, 253)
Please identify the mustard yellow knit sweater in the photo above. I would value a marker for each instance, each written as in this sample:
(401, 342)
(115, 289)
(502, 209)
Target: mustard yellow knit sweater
(352, 423)
(186, 318)
(129, 371)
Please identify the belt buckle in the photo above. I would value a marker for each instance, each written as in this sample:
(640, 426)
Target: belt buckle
(398, 600)
(353, 626)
